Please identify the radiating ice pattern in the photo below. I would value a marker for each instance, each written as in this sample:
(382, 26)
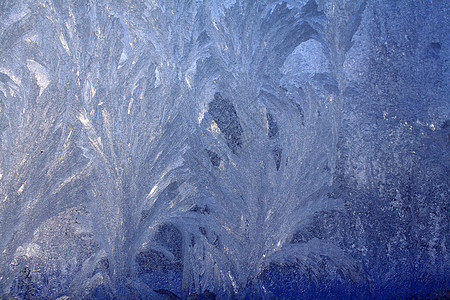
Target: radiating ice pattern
(201, 149)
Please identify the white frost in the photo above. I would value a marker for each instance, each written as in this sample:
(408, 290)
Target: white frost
(308, 57)
(40, 73)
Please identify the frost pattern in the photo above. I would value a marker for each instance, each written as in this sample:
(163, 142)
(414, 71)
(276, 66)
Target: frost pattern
(165, 149)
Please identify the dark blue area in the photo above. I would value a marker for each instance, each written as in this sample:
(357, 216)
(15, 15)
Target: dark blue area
(224, 114)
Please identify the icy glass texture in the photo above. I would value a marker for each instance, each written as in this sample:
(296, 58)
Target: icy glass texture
(201, 149)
